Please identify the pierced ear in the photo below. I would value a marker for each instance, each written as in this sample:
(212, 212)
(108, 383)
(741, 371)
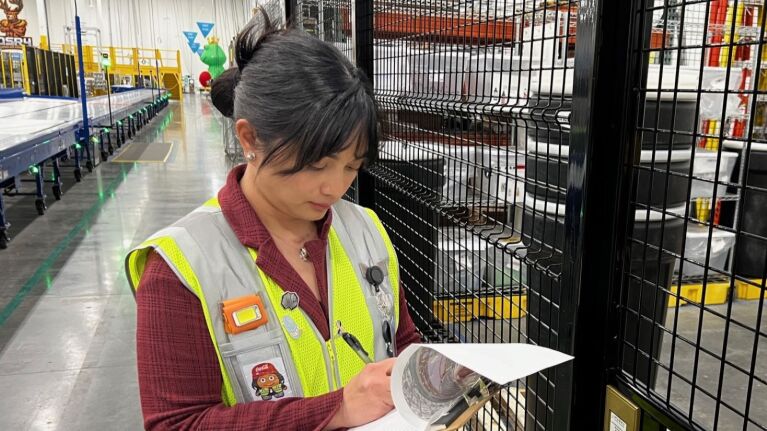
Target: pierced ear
(247, 136)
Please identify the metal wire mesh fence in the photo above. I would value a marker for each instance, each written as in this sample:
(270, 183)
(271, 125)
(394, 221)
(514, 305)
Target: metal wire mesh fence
(471, 177)
(692, 336)
(474, 178)
(328, 20)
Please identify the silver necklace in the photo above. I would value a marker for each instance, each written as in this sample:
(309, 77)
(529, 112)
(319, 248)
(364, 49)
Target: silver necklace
(303, 254)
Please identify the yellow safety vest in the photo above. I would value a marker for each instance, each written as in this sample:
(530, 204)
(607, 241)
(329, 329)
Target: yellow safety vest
(286, 356)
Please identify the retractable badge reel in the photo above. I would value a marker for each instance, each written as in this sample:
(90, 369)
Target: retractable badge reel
(385, 303)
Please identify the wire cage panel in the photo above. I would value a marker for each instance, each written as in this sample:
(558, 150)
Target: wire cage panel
(472, 174)
(691, 305)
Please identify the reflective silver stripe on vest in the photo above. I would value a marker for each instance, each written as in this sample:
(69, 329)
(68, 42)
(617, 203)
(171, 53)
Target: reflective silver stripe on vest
(225, 270)
(349, 219)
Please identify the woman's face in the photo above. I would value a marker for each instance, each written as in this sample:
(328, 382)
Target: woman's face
(309, 193)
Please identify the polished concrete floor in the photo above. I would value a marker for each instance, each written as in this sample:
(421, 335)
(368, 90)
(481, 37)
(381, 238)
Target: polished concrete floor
(67, 316)
(67, 319)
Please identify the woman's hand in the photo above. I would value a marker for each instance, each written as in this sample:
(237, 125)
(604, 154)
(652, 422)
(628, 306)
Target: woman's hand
(367, 397)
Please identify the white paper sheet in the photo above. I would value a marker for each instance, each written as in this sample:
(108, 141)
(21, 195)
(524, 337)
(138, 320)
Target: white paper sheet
(501, 363)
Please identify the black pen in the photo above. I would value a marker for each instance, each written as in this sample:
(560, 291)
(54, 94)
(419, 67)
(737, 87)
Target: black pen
(354, 343)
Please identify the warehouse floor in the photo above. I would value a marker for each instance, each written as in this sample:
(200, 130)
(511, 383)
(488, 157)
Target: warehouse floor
(67, 316)
(67, 323)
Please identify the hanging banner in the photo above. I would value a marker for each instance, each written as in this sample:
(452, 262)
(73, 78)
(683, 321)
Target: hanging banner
(13, 29)
(190, 37)
(195, 46)
(200, 51)
(205, 28)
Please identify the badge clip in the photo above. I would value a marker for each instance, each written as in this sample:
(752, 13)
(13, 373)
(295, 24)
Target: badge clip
(244, 314)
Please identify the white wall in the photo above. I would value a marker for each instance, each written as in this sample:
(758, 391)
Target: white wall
(148, 23)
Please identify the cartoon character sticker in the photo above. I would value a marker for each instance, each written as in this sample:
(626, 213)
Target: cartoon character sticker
(268, 381)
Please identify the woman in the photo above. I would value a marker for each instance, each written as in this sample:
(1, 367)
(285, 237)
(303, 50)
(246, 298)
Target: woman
(249, 307)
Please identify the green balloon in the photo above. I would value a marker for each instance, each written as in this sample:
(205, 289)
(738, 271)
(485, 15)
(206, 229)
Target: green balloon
(215, 58)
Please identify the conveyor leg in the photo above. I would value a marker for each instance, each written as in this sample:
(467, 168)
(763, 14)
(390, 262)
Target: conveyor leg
(56, 179)
(110, 148)
(102, 148)
(40, 191)
(88, 155)
(4, 225)
(78, 166)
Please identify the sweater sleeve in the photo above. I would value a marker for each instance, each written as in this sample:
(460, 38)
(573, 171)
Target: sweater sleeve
(179, 377)
(406, 331)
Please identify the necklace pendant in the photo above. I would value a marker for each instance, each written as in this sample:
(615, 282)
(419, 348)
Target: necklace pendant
(303, 254)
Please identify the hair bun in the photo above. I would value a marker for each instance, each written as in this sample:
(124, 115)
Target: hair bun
(222, 91)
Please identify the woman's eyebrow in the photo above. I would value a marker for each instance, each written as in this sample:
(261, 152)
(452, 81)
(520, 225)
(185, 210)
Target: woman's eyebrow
(335, 157)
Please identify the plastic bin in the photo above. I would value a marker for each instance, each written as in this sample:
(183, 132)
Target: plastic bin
(660, 106)
(704, 168)
(751, 252)
(461, 262)
(549, 173)
(500, 174)
(697, 245)
(543, 232)
(458, 169)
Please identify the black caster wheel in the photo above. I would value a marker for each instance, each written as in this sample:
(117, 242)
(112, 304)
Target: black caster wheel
(78, 175)
(89, 165)
(104, 156)
(57, 192)
(4, 240)
(40, 205)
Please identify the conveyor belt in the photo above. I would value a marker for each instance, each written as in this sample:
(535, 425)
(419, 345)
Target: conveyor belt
(35, 131)
(31, 121)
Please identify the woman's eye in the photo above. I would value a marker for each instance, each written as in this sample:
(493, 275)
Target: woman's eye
(354, 168)
(316, 167)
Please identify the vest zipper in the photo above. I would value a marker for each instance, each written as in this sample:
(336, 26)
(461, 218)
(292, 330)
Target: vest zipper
(333, 363)
(331, 346)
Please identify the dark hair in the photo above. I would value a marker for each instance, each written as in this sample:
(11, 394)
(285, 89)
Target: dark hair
(304, 98)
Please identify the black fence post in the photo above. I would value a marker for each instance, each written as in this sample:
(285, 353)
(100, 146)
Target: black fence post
(292, 14)
(363, 54)
(599, 186)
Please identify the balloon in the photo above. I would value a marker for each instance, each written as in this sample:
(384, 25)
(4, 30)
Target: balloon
(205, 78)
(214, 57)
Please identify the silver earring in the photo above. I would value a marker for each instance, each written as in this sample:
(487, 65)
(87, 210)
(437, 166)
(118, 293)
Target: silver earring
(251, 157)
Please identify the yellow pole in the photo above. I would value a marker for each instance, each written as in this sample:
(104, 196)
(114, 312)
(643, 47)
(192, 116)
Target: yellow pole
(725, 52)
(39, 76)
(180, 88)
(2, 68)
(44, 41)
(25, 71)
(136, 66)
(47, 55)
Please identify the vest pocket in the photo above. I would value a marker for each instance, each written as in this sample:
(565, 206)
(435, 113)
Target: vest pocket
(261, 368)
